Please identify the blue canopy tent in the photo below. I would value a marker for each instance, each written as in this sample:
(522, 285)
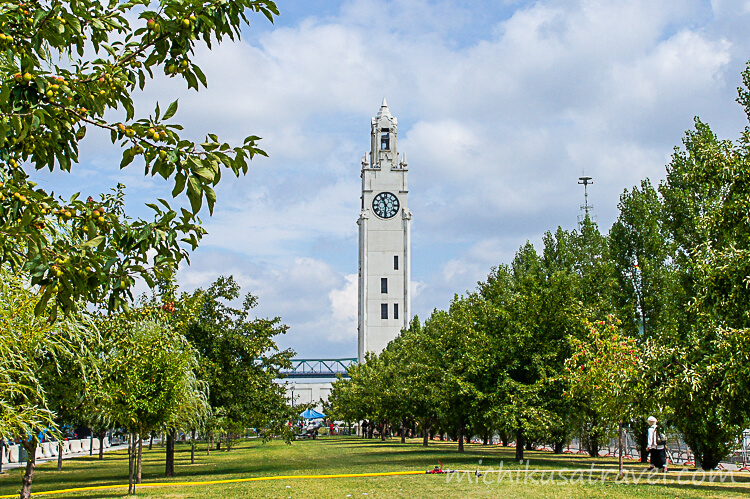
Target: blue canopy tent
(312, 414)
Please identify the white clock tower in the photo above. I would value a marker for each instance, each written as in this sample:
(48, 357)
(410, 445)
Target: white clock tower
(384, 239)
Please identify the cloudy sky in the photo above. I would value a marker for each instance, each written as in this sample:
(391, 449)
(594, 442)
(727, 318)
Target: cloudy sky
(501, 106)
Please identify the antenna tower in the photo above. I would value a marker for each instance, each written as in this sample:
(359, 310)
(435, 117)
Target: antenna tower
(585, 180)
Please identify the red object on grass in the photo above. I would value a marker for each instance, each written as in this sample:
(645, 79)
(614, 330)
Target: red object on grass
(437, 470)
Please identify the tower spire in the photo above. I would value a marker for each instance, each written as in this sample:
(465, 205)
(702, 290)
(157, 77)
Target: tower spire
(384, 111)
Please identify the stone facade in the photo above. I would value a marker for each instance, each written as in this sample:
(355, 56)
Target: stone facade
(384, 239)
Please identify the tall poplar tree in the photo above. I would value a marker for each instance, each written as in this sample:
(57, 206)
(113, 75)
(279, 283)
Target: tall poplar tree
(703, 367)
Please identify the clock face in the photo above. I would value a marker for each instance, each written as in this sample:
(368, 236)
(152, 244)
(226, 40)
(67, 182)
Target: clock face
(385, 205)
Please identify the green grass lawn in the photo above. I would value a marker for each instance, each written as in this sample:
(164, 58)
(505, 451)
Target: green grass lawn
(347, 455)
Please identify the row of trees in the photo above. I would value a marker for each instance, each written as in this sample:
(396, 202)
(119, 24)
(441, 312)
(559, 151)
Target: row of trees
(594, 331)
(74, 348)
(189, 363)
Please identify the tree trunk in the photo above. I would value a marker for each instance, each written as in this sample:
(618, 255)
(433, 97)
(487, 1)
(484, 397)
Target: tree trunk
(461, 429)
(486, 438)
(140, 457)
(169, 471)
(519, 445)
(151, 441)
(619, 444)
(60, 447)
(505, 437)
(425, 435)
(403, 432)
(28, 476)
(131, 464)
(208, 444)
(593, 446)
(102, 436)
(559, 446)
(192, 447)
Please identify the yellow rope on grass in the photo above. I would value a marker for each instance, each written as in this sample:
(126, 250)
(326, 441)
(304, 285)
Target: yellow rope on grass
(215, 482)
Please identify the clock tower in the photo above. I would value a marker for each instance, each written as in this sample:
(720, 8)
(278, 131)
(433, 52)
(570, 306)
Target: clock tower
(384, 239)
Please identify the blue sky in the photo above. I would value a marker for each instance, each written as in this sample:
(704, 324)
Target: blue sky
(501, 106)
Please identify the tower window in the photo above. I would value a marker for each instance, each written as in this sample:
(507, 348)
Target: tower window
(395, 310)
(385, 139)
(383, 284)
(395, 262)
(383, 310)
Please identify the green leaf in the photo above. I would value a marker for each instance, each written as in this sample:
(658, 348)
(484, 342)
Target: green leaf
(191, 80)
(210, 198)
(179, 184)
(41, 305)
(200, 75)
(127, 158)
(92, 243)
(15, 121)
(171, 110)
(204, 172)
(195, 194)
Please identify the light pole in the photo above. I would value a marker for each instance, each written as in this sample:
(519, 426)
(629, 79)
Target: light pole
(293, 387)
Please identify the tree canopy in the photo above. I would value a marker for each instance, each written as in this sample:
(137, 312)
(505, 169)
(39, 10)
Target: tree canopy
(70, 66)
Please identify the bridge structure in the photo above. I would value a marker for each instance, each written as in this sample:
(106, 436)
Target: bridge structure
(319, 368)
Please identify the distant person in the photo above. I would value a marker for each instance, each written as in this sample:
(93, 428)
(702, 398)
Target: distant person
(656, 446)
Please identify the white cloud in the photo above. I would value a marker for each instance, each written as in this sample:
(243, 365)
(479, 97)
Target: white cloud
(344, 311)
(274, 227)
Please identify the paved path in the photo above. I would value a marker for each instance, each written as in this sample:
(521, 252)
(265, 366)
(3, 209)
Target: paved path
(10, 466)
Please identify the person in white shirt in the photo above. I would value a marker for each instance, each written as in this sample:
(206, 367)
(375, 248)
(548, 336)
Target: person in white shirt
(656, 446)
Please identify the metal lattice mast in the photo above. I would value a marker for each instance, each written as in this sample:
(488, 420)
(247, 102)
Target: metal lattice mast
(586, 208)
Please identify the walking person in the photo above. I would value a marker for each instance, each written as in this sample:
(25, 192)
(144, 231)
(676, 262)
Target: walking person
(656, 446)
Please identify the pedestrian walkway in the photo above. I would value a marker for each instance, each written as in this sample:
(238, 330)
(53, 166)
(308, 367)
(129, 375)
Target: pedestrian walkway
(42, 460)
